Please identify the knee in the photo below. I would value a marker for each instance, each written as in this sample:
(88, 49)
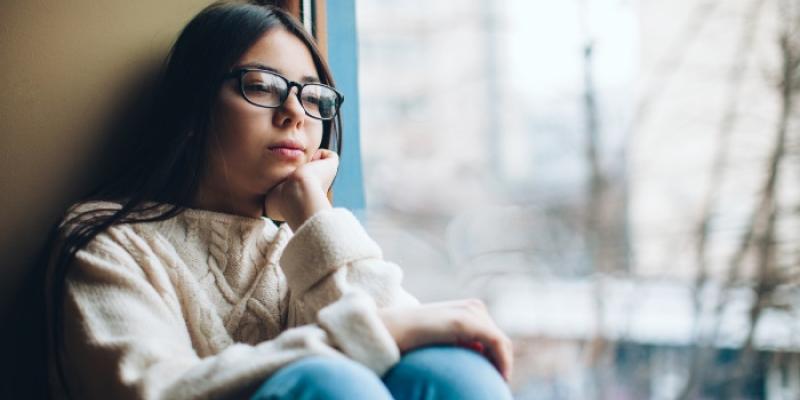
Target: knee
(447, 372)
(322, 377)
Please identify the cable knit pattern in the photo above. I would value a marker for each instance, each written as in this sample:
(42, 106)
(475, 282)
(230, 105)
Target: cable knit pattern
(208, 305)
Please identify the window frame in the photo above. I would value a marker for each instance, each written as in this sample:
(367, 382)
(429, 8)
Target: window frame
(335, 32)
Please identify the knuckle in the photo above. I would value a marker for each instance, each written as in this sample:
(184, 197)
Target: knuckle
(499, 339)
(458, 324)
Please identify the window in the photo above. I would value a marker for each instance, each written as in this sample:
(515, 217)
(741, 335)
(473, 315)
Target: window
(558, 159)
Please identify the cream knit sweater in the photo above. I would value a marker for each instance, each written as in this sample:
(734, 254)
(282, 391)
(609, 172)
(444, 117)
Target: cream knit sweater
(208, 305)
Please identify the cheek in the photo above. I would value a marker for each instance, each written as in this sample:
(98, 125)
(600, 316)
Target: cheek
(237, 129)
(315, 130)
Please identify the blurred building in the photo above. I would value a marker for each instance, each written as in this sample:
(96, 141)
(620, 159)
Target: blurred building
(557, 159)
(474, 131)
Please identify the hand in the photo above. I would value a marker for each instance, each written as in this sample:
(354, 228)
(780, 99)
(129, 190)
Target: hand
(452, 322)
(323, 167)
(304, 192)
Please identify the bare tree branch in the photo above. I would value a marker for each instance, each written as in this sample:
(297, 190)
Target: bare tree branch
(669, 64)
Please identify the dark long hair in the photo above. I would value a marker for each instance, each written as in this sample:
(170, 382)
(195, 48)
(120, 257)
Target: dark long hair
(163, 173)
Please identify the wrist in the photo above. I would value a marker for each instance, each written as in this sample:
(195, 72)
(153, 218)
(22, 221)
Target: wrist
(389, 319)
(310, 201)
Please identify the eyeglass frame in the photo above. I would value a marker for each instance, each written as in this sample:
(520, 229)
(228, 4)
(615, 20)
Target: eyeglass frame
(239, 73)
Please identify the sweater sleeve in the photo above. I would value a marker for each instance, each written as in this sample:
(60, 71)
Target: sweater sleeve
(337, 278)
(125, 337)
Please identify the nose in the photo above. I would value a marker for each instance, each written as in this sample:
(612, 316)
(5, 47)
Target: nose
(291, 113)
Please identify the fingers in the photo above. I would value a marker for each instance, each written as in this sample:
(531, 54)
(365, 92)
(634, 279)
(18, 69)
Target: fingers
(472, 344)
(498, 349)
(461, 322)
(501, 354)
(496, 345)
(323, 165)
(322, 154)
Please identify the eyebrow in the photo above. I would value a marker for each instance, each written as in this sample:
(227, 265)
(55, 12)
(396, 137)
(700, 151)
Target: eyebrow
(304, 79)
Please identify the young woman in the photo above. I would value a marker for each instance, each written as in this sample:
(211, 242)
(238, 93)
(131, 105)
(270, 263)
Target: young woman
(172, 282)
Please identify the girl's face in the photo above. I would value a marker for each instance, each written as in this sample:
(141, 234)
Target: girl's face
(252, 149)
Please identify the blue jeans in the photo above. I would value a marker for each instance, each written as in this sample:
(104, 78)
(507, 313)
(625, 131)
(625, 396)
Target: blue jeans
(427, 373)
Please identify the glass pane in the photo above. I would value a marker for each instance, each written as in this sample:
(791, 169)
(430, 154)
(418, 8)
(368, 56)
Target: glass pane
(319, 101)
(616, 179)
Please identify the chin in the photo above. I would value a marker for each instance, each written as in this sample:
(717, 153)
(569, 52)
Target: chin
(275, 175)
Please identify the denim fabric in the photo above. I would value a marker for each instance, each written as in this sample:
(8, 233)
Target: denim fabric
(428, 373)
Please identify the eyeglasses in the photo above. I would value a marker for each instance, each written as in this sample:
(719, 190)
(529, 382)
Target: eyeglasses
(267, 89)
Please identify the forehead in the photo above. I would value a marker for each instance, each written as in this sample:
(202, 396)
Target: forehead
(282, 51)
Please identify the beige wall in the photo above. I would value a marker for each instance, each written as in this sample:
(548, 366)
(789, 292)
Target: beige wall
(66, 69)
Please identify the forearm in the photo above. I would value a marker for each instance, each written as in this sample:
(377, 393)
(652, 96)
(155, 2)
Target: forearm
(332, 254)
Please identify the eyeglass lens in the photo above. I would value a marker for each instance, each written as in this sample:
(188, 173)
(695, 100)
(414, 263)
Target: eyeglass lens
(269, 90)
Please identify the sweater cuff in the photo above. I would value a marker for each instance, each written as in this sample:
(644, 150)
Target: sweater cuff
(357, 330)
(325, 242)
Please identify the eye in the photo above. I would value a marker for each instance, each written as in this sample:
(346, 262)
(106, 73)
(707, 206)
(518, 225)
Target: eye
(261, 83)
(262, 87)
(312, 98)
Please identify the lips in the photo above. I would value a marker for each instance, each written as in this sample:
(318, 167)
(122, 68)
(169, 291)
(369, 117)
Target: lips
(287, 149)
